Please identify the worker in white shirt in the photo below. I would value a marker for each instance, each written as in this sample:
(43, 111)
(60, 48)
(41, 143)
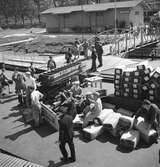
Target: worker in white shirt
(95, 109)
(36, 96)
(30, 83)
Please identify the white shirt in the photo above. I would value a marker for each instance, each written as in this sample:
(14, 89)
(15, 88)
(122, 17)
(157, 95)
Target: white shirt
(35, 97)
(31, 82)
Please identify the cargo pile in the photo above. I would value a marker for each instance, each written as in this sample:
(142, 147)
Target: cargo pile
(129, 131)
(139, 83)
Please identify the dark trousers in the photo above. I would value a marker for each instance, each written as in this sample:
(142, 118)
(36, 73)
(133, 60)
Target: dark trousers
(100, 59)
(64, 151)
(93, 68)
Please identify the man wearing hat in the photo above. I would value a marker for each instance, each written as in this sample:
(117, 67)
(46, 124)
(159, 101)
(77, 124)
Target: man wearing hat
(36, 96)
(151, 114)
(66, 135)
(51, 63)
(99, 50)
(20, 86)
(76, 94)
(94, 57)
(30, 83)
(94, 109)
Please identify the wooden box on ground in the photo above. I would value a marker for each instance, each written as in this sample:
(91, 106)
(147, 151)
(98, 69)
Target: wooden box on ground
(130, 139)
(50, 116)
(92, 131)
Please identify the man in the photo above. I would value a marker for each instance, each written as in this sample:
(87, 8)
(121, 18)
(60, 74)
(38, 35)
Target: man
(30, 82)
(51, 63)
(94, 57)
(20, 86)
(4, 81)
(68, 56)
(99, 51)
(76, 94)
(32, 69)
(150, 112)
(94, 109)
(66, 136)
(85, 48)
(36, 96)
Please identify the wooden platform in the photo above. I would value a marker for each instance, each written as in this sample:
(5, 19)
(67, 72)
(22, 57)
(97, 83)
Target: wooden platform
(11, 161)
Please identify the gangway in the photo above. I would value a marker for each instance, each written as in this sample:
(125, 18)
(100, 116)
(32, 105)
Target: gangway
(126, 40)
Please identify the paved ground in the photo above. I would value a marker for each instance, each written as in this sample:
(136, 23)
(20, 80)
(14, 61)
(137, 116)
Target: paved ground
(39, 145)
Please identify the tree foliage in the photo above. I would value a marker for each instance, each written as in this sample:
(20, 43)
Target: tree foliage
(21, 11)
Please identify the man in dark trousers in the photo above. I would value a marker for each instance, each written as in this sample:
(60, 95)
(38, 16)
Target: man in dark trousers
(150, 112)
(66, 136)
(51, 63)
(99, 50)
(94, 57)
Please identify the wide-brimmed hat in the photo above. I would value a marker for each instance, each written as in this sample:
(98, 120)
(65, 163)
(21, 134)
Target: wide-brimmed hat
(96, 94)
(76, 82)
(28, 73)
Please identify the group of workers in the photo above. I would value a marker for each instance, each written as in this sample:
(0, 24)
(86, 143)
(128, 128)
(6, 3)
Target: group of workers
(25, 88)
(88, 104)
(68, 103)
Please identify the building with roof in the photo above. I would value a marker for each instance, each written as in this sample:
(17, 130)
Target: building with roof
(94, 17)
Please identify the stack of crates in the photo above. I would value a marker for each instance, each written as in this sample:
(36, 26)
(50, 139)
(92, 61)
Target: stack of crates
(140, 83)
(136, 84)
(118, 81)
(127, 86)
(154, 87)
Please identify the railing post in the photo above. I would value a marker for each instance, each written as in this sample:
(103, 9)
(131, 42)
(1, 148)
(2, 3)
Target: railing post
(134, 38)
(126, 41)
(118, 48)
(141, 36)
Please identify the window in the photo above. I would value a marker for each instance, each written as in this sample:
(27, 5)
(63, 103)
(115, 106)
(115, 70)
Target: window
(136, 12)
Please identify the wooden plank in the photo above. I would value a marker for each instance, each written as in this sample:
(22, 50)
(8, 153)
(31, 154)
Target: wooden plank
(50, 116)
(6, 160)
(10, 161)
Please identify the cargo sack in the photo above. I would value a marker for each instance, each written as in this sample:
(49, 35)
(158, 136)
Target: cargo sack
(124, 123)
(91, 132)
(148, 135)
(110, 123)
(130, 139)
(103, 115)
(78, 122)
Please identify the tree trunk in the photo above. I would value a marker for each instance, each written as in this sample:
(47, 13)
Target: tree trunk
(6, 20)
(15, 19)
(22, 17)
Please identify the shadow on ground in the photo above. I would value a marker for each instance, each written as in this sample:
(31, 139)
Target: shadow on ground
(14, 114)
(58, 164)
(14, 136)
(43, 131)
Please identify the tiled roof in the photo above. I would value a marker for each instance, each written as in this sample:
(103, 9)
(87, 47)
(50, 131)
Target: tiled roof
(93, 7)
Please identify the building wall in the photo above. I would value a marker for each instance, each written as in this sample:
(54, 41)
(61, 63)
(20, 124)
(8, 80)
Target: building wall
(52, 22)
(137, 16)
(94, 21)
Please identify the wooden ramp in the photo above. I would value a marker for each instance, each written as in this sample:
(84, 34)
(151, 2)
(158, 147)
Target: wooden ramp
(10, 161)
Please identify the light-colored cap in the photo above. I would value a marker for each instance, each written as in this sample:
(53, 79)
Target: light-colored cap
(96, 94)
(76, 82)
(28, 72)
